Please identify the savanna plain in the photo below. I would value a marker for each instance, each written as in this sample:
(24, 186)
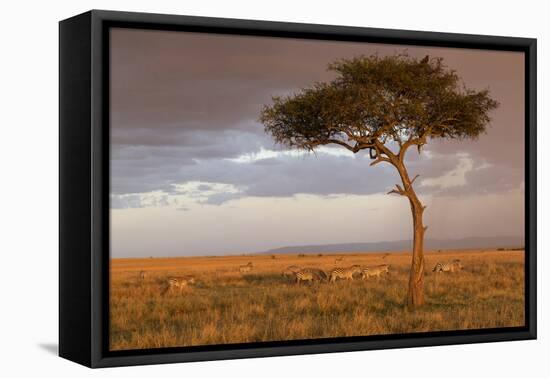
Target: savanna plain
(226, 305)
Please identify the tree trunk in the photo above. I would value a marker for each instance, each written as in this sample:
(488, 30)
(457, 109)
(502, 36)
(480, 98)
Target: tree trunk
(415, 296)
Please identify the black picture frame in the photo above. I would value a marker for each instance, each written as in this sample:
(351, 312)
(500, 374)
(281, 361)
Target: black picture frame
(84, 187)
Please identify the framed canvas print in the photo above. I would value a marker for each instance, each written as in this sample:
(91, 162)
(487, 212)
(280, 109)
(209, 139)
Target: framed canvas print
(233, 188)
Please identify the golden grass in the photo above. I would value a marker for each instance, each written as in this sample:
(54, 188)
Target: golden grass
(226, 306)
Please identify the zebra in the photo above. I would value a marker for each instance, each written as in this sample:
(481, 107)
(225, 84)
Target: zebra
(375, 271)
(304, 275)
(181, 283)
(245, 268)
(449, 266)
(290, 271)
(344, 273)
(338, 259)
(142, 275)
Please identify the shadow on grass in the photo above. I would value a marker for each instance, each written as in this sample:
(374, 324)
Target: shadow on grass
(273, 278)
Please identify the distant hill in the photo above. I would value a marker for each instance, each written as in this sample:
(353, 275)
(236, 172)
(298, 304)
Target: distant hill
(405, 245)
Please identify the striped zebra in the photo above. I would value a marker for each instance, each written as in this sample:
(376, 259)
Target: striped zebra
(142, 275)
(449, 266)
(375, 271)
(178, 283)
(304, 275)
(344, 273)
(290, 271)
(245, 268)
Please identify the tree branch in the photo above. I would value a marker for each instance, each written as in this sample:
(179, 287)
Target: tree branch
(381, 148)
(398, 190)
(380, 159)
(358, 146)
(411, 142)
(312, 145)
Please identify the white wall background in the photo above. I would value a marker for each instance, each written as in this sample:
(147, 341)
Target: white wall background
(29, 186)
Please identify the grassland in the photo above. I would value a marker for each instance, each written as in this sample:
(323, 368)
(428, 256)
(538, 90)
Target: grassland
(226, 306)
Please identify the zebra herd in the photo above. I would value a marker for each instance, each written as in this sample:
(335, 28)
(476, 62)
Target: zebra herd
(299, 274)
(307, 274)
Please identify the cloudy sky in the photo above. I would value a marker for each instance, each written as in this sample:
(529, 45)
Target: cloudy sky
(193, 172)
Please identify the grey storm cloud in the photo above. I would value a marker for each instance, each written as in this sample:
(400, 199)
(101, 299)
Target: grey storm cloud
(312, 174)
(182, 104)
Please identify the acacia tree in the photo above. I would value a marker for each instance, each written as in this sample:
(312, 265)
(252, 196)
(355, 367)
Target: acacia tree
(384, 105)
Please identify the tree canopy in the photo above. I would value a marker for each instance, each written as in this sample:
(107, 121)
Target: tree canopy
(374, 100)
